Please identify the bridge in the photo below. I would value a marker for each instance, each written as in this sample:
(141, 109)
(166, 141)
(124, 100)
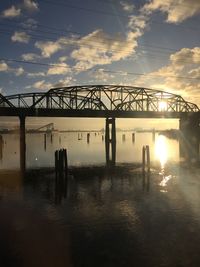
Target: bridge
(98, 101)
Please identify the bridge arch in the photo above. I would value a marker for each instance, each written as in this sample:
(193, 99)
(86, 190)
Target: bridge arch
(102, 97)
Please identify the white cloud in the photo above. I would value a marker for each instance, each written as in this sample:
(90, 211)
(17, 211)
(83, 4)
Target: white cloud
(63, 59)
(21, 37)
(65, 82)
(42, 85)
(3, 67)
(59, 69)
(36, 74)
(30, 24)
(48, 48)
(180, 76)
(31, 5)
(176, 10)
(195, 73)
(102, 75)
(99, 48)
(186, 56)
(11, 12)
(128, 7)
(19, 71)
(30, 57)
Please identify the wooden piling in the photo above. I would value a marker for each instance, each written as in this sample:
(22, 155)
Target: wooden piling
(88, 138)
(146, 158)
(133, 137)
(143, 159)
(45, 142)
(61, 170)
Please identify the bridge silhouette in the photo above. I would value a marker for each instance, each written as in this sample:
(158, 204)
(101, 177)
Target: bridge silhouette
(97, 101)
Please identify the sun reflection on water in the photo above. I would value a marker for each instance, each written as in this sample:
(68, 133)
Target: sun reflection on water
(162, 154)
(161, 150)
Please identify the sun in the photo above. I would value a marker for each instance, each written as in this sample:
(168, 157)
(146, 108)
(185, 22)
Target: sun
(162, 106)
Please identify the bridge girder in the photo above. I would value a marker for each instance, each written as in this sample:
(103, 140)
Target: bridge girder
(101, 98)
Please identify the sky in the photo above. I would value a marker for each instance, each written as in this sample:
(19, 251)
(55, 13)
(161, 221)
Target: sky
(52, 43)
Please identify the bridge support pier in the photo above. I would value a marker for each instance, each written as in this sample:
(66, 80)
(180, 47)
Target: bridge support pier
(22, 143)
(189, 137)
(110, 141)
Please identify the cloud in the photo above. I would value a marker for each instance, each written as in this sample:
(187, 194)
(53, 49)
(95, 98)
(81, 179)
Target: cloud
(128, 7)
(31, 5)
(195, 73)
(21, 37)
(11, 12)
(99, 48)
(186, 56)
(48, 48)
(36, 74)
(65, 82)
(19, 71)
(96, 48)
(30, 57)
(176, 10)
(102, 75)
(60, 69)
(42, 85)
(3, 67)
(63, 59)
(180, 76)
(30, 23)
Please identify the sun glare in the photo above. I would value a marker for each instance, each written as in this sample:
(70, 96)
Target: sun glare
(162, 106)
(161, 150)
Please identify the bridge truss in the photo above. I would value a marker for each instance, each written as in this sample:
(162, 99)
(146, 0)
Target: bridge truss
(100, 98)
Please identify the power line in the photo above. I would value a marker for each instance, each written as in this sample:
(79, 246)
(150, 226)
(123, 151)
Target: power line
(91, 10)
(106, 71)
(151, 75)
(81, 35)
(90, 44)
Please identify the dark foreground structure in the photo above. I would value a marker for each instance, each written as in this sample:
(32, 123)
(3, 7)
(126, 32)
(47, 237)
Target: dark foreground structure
(102, 101)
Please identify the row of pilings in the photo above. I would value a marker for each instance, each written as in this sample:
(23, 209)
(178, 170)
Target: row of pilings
(189, 128)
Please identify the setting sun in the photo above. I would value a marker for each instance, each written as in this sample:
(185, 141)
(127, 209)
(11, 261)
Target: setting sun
(162, 106)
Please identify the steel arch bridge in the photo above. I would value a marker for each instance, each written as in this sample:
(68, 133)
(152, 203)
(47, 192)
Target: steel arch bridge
(97, 101)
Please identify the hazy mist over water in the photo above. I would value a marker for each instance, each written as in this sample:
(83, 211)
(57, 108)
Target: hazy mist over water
(80, 152)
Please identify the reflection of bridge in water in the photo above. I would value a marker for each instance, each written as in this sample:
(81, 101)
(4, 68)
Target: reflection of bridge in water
(100, 101)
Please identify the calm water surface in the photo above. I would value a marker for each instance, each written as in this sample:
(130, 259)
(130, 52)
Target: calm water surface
(80, 152)
(103, 217)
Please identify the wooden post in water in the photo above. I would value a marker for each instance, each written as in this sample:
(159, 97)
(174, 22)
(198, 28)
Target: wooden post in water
(145, 158)
(148, 158)
(45, 142)
(133, 137)
(1, 147)
(61, 170)
(88, 138)
(22, 144)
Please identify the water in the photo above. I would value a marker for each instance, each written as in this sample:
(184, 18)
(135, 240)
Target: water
(104, 217)
(82, 153)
